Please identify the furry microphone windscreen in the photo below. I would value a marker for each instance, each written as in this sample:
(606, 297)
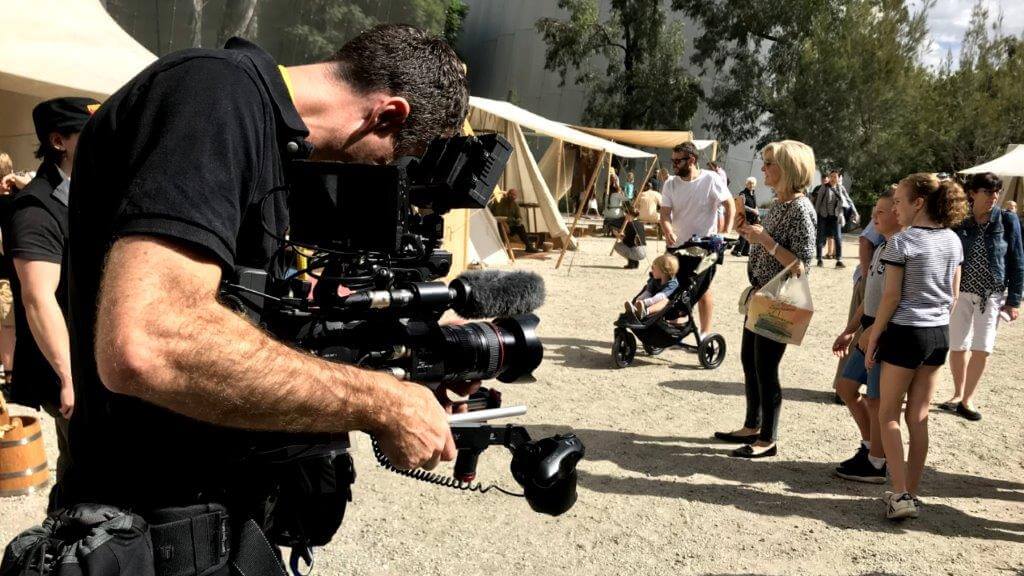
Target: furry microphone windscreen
(494, 293)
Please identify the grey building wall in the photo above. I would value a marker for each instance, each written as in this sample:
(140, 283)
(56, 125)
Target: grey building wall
(505, 56)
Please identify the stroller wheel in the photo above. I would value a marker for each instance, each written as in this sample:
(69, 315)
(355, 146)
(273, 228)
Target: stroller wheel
(652, 350)
(711, 351)
(623, 348)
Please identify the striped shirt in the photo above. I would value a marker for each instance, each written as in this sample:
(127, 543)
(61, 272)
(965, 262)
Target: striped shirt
(929, 257)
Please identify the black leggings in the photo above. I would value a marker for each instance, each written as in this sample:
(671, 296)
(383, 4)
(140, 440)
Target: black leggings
(761, 358)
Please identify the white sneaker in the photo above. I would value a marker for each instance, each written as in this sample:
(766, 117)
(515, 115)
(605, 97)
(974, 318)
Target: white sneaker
(900, 506)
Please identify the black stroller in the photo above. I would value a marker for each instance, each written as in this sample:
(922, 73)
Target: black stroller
(698, 260)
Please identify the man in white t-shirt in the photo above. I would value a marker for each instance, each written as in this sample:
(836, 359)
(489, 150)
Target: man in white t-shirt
(689, 207)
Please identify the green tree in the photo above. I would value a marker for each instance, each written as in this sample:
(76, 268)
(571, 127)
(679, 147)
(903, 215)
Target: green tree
(844, 76)
(643, 83)
(978, 107)
(324, 25)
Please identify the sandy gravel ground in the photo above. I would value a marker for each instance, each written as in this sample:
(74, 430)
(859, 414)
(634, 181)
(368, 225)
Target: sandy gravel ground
(658, 497)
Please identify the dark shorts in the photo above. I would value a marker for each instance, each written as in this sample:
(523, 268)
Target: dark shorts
(912, 346)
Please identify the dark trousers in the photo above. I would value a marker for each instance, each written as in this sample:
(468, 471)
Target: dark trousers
(63, 452)
(828, 227)
(761, 358)
(742, 247)
(520, 231)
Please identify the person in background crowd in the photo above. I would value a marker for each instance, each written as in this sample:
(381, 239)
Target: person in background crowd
(910, 335)
(6, 296)
(742, 247)
(1010, 206)
(614, 215)
(507, 207)
(633, 245)
(718, 169)
(689, 207)
(868, 464)
(991, 285)
(785, 239)
(629, 186)
(867, 244)
(36, 239)
(648, 205)
(828, 204)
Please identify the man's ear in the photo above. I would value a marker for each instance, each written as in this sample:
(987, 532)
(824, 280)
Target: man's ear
(57, 141)
(391, 114)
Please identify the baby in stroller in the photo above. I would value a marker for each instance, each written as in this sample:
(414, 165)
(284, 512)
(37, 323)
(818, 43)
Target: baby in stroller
(661, 316)
(661, 284)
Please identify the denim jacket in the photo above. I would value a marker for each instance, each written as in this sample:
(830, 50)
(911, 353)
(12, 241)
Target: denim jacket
(1004, 248)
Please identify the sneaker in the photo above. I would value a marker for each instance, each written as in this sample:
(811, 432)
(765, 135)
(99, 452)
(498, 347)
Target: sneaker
(900, 506)
(860, 469)
(861, 454)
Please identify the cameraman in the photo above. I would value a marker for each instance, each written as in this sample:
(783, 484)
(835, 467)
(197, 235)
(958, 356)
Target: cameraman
(174, 390)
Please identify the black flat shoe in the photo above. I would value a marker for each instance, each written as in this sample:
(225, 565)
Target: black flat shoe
(750, 451)
(972, 415)
(735, 438)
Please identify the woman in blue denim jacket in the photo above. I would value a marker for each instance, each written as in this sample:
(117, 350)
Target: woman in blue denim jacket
(990, 288)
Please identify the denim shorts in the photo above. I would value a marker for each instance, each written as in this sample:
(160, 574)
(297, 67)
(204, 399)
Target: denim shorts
(854, 370)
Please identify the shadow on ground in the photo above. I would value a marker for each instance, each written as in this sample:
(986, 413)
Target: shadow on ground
(668, 468)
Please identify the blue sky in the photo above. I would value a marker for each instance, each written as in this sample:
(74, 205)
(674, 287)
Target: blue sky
(948, 20)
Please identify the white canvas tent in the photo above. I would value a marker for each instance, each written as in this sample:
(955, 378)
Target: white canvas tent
(1009, 167)
(653, 138)
(53, 48)
(523, 172)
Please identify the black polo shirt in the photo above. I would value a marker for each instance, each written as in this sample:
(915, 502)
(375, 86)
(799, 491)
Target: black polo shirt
(36, 231)
(185, 151)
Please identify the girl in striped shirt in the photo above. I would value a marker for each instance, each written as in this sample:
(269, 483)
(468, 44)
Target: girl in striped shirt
(910, 336)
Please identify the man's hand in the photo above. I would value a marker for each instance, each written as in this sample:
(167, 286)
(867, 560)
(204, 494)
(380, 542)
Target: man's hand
(416, 435)
(1012, 312)
(67, 399)
(670, 237)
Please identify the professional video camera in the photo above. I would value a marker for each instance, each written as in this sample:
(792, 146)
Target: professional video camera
(371, 236)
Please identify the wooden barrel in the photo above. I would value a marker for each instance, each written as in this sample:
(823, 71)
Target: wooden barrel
(23, 467)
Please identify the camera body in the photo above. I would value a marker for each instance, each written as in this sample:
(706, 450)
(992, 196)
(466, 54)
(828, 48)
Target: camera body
(368, 296)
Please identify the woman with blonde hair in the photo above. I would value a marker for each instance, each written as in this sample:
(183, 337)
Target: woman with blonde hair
(910, 335)
(786, 238)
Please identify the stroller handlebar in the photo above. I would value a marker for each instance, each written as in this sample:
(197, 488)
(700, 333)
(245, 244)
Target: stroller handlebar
(714, 243)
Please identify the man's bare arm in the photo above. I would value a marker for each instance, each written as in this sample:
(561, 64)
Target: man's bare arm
(39, 281)
(162, 336)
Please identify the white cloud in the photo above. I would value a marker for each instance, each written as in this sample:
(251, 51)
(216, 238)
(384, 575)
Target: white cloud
(948, 20)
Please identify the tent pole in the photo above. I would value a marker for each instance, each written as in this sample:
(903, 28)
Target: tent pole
(629, 203)
(607, 187)
(558, 177)
(579, 210)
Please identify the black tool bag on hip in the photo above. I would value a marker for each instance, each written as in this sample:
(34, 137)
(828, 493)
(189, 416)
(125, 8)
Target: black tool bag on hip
(99, 540)
(82, 540)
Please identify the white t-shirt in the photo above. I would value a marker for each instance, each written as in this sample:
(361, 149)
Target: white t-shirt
(694, 203)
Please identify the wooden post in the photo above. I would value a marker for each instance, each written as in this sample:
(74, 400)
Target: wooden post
(622, 230)
(582, 206)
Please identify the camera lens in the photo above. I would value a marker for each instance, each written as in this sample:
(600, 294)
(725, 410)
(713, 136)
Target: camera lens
(506, 349)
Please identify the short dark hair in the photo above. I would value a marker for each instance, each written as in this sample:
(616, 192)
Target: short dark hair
(687, 148)
(983, 181)
(405, 61)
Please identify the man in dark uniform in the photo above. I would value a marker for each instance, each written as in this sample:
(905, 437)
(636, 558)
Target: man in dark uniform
(35, 239)
(174, 389)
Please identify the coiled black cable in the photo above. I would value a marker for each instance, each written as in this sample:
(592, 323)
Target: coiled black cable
(432, 478)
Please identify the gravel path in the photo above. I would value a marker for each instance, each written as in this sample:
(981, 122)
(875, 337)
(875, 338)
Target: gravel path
(657, 496)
